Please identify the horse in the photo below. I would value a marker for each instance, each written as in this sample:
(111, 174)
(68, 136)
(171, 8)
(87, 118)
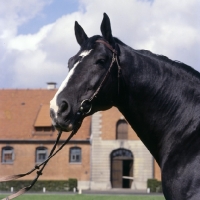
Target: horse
(159, 97)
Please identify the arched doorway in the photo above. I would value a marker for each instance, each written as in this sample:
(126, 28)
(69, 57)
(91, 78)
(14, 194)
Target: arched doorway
(121, 166)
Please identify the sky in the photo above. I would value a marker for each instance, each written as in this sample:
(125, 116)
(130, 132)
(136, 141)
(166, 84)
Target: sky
(37, 36)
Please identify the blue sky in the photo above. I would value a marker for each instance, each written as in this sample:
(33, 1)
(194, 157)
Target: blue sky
(50, 13)
(37, 36)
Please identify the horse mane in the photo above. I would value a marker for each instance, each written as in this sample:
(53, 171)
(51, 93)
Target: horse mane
(182, 66)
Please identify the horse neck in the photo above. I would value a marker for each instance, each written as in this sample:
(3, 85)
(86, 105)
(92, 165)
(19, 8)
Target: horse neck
(151, 100)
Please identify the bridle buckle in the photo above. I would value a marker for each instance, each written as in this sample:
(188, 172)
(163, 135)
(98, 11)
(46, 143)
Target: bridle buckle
(86, 106)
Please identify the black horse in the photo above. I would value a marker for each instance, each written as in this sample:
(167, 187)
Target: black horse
(160, 99)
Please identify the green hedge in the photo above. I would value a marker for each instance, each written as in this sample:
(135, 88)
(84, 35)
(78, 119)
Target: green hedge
(58, 186)
(154, 185)
(72, 184)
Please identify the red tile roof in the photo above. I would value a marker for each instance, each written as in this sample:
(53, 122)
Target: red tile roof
(20, 110)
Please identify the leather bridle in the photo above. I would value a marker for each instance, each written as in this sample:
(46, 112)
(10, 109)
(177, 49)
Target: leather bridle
(85, 108)
(115, 58)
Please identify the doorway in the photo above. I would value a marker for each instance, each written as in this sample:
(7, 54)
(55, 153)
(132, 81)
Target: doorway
(121, 168)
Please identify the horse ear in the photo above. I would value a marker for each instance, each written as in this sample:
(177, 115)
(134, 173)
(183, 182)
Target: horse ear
(106, 29)
(80, 34)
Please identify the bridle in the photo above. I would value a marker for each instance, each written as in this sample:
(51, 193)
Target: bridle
(115, 58)
(84, 109)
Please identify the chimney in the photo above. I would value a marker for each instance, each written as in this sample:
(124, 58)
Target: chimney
(51, 86)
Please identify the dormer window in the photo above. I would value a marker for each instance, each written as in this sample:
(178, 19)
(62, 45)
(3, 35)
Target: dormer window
(44, 129)
(43, 123)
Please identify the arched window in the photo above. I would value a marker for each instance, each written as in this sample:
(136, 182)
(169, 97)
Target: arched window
(75, 154)
(122, 130)
(41, 154)
(7, 155)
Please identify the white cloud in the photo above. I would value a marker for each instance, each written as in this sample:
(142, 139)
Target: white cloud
(29, 42)
(33, 67)
(15, 13)
(168, 27)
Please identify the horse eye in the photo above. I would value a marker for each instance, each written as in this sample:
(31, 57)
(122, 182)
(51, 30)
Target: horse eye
(100, 62)
(80, 58)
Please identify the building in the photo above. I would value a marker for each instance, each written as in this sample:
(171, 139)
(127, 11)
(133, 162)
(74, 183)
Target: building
(104, 154)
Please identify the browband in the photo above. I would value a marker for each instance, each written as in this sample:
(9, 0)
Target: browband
(108, 45)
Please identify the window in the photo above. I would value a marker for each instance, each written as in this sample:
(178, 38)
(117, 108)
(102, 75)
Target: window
(75, 154)
(7, 155)
(41, 154)
(44, 129)
(122, 130)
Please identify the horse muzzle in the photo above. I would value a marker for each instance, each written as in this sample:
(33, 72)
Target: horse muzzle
(59, 123)
(60, 116)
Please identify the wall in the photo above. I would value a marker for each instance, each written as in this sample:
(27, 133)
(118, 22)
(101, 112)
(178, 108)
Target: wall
(104, 142)
(58, 167)
(108, 125)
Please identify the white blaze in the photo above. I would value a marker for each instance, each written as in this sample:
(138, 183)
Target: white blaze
(53, 104)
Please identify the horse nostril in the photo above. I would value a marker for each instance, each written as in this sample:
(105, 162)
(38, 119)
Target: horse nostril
(63, 106)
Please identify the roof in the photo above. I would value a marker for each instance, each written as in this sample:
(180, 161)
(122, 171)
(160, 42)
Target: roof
(43, 119)
(22, 110)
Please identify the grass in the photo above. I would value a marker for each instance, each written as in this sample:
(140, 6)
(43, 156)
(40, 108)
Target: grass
(85, 197)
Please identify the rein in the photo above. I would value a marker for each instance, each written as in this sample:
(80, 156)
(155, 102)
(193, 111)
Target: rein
(85, 108)
(39, 172)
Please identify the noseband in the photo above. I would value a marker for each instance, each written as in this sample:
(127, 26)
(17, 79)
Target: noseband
(85, 108)
(86, 105)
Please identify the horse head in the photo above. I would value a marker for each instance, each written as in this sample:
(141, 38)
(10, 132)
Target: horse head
(89, 74)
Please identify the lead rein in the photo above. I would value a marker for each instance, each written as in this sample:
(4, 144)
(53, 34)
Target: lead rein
(39, 172)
